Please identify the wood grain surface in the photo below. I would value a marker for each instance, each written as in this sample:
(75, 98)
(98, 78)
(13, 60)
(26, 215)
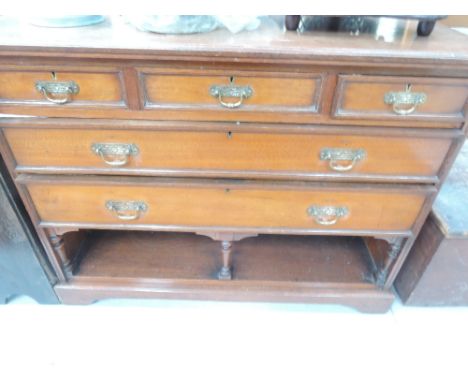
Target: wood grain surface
(271, 91)
(100, 89)
(116, 38)
(231, 153)
(266, 268)
(224, 204)
(362, 97)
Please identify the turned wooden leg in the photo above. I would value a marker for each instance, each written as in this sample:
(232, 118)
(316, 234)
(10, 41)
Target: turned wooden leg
(225, 271)
(58, 245)
(395, 246)
(226, 239)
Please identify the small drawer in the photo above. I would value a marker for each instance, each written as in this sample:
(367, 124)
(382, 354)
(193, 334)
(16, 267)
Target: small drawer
(61, 88)
(401, 98)
(231, 95)
(334, 155)
(182, 203)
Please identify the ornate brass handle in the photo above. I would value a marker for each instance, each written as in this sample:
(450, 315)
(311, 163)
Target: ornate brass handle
(327, 215)
(336, 155)
(231, 91)
(128, 210)
(405, 102)
(50, 88)
(115, 154)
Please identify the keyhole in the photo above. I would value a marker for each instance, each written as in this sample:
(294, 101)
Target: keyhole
(231, 79)
(229, 134)
(54, 76)
(408, 87)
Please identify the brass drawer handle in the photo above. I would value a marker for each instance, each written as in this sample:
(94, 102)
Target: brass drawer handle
(129, 210)
(405, 102)
(51, 88)
(115, 154)
(336, 155)
(231, 91)
(327, 215)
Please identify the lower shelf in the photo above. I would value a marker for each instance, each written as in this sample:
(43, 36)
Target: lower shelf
(283, 268)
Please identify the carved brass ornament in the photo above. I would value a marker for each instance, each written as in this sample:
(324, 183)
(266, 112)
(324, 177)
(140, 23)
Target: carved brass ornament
(52, 88)
(115, 154)
(405, 102)
(327, 215)
(127, 210)
(335, 157)
(231, 91)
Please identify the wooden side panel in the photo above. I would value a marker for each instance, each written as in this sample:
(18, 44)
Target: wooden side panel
(436, 270)
(227, 205)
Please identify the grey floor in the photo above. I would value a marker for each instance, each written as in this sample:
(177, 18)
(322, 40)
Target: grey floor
(156, 340)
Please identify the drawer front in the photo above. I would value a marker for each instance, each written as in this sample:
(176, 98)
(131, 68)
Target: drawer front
(401, 98)
(231, 94)
(226, 153)
(226, 204)
(61, 87)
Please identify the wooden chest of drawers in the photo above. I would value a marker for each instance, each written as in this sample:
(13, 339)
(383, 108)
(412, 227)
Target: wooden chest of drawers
(313, 163)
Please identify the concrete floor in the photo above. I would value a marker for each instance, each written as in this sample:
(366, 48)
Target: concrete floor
(156, 340)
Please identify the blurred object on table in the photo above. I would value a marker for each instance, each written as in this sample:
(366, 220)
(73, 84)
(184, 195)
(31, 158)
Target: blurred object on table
(173, 24)
(186, 24)
(387, 28)
(67, 21)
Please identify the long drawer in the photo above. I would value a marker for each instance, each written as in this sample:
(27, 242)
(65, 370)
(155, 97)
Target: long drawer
(260, 206)
(325, 154)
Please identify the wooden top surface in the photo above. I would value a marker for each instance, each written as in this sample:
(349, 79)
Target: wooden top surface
(451, 206)
(115, 38)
